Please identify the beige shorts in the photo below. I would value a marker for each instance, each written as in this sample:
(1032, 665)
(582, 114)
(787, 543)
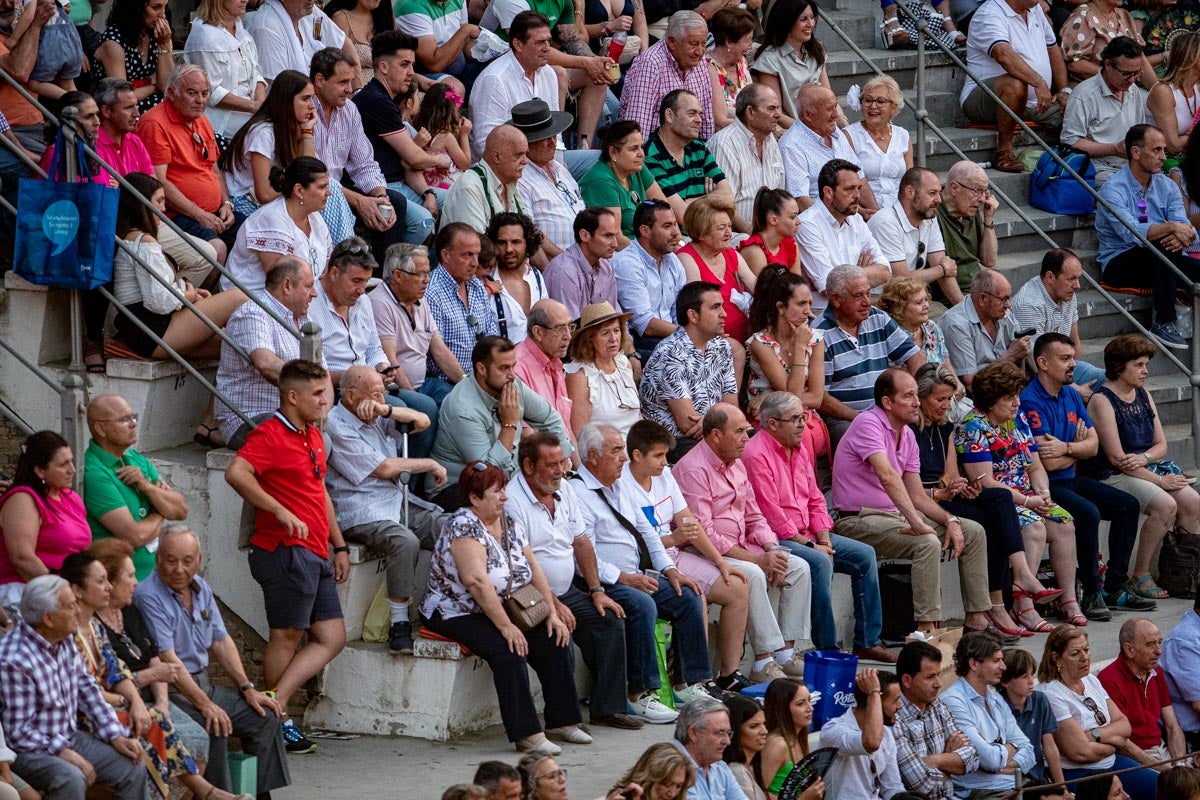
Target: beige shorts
(981, 109)
(1142, 489)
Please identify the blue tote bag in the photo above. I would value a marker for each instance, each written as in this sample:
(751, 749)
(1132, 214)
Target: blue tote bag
(66, 232)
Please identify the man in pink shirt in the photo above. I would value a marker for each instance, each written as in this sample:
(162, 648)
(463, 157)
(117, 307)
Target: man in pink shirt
(540, 354)
(782, 473)
(880, 501)
(717, 489)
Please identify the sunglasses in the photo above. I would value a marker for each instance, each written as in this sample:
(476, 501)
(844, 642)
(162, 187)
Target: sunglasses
(203, 147)
(920, 262)
(312, 456)
(1091, 706)
(1143, 217)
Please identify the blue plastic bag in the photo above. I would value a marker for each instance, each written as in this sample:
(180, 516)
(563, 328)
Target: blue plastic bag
(1053, 189)
(66, 232)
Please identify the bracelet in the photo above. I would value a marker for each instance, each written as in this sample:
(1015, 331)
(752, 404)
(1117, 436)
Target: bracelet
(166, 50)
(504, 425)
(1025, 501)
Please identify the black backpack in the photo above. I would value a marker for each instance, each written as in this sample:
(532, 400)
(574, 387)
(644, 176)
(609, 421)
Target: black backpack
(1179, 563)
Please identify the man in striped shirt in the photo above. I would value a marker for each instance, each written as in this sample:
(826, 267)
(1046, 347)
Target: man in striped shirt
(860, 343)
(681, 163)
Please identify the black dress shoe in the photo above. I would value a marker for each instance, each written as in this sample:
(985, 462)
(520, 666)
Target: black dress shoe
(400, 638)
(623, 721)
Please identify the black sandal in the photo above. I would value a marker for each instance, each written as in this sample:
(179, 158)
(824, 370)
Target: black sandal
(206, 439)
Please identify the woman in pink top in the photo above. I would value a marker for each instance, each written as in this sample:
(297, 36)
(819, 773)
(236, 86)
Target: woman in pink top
(88, 114)
(42, 521)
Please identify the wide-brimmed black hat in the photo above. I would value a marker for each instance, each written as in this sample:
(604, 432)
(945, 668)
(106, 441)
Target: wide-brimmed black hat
(535, 119)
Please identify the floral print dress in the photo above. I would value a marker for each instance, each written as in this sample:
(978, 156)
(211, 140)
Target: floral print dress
(447, 595)
(1010, 448)
(732, 81)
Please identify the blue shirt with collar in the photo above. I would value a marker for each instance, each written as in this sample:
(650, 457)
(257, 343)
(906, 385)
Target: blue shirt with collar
(1123, 192)
(989, 726)
(647, 288)
(716, 782)
(190, 635)
(1049, 415)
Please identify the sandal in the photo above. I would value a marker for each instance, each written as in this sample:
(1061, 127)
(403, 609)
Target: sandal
(1077, 619)
(1030, 618)
(207, 438)
(93, 357)
(894, 35)
(995, 623)
(1006, 161)
(960, 38)
(1146, 587)
(1043, 597)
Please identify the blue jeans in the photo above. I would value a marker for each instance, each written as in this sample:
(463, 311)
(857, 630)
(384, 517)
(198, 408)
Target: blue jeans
(851, 558)
(419, 444)
(1085, 373)
(685, 612)
(418, 222)
(1141, 784)
(1090, 501)
(437, 388)
(578, 162)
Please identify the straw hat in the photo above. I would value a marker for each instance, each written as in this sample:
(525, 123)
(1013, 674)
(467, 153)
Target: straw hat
(595, 315)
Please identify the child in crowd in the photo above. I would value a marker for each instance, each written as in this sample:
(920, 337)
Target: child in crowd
(59, 54)
(438, 114)
(1033, 715)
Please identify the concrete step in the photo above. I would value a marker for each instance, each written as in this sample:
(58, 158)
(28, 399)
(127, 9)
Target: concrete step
(1015, 236)
(845, 68)
(1093, 353)
(860, 24)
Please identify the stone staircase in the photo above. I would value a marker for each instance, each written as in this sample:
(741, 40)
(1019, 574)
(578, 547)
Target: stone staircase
(438, 692)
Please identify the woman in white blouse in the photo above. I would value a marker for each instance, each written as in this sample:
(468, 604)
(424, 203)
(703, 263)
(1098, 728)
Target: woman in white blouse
(1092, 729)
(600, 378)
(221, 46)
(884, 150)
(148, 299)
(290, 225)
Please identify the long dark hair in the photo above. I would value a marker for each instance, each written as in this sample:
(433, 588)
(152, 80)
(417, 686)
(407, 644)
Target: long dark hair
(382, 16)
(75, 566)
(779, 26)
(766, 202)
(775, 285)
(741, 710)
(132, 213)
(37, 451)
(278, 111)
(777, 705)
(50, 134)
(128, 18)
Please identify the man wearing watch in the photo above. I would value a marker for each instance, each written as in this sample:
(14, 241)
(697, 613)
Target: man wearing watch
(967, 217)
(182, 612)
(879, 500)
(280, 470)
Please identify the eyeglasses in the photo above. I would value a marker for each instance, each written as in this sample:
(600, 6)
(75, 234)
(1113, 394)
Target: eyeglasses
(1143, 217)
(572, 198)
(875, 778)
(1004, 301)
(133, 649)
(352, 249)
(1127, 74)
(975, 192)
(876, 101)
(473, 324)
(312, 456)
(1091, 706)
(128, 419)
(423, 275)
(563, 330)
(920, 262)
(479, 466)
(556, 775)
(720, 734)
(797, 420)
(203, 146)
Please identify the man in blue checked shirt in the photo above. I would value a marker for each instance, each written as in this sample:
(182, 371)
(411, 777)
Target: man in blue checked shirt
(984, 718)
(45, 688)
(1150, 202)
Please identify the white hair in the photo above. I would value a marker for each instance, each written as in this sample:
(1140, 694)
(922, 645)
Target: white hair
(840, 278)
(40, 598)
(681, 22)
(693, 712)
(180, 72)
(591, 438)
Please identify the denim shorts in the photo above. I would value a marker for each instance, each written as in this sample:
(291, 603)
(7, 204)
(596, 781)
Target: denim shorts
(60, 53)
(298, 586)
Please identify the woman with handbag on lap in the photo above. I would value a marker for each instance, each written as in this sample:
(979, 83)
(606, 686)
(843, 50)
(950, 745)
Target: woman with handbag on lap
(487, 592)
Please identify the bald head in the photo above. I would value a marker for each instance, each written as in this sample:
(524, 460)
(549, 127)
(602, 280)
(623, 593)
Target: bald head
(506, 151)
(726, 431)
(818, 108)
(112, 423)
(361, 378)
(103, 405)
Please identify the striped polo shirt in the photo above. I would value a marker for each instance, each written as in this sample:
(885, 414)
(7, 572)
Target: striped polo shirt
(686, 179)
(429, 18)
(853, 363)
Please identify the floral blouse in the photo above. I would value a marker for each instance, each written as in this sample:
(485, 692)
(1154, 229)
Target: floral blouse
(935, 346)
(446, 594)
(731, 84)
(1010, 448)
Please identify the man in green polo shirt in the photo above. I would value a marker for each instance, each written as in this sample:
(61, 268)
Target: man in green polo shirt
(681, 164)
(967, 217)
(122, 491)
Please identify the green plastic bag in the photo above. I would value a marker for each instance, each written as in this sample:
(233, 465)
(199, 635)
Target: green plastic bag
(662, 643)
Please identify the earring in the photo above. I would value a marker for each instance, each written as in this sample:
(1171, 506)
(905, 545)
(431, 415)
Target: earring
(301, 201)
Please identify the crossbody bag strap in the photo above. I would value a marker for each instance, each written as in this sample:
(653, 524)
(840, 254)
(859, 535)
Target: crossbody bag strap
(644, 560)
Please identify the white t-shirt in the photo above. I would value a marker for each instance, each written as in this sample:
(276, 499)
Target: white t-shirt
(996, 23)
(259, 139)
(1067, 705)
(658, 506)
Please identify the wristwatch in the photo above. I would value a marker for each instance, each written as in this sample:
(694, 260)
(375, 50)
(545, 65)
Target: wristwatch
(597, 590)
(345, 548)
(246, 687)
(952, 518)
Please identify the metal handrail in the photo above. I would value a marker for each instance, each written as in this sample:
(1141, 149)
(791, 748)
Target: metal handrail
(923, 121)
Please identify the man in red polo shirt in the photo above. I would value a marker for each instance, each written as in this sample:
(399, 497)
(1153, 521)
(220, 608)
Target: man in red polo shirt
(1140, 691)
(280, 470)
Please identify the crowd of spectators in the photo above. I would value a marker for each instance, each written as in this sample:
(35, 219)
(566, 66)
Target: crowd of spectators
(702, 341)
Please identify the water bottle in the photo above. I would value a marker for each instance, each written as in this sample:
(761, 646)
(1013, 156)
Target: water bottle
(615, 48)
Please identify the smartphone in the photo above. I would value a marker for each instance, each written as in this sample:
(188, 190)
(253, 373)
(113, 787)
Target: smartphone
(1026, 332)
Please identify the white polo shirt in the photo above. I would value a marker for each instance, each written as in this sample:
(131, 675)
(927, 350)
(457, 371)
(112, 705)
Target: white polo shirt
(501, 85)
(900, 240)
(551, 538)
(996, 23)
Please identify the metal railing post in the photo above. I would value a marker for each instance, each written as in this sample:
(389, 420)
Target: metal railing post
(922, 113)
(69, 158)
(1195, 376)
(70, 406)
(310, 342)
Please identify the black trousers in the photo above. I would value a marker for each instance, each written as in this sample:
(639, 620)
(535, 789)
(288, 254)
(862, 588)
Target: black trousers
(994, 510)
(601, 639)
(1139, 268)
(1090, 501)
(554, 666)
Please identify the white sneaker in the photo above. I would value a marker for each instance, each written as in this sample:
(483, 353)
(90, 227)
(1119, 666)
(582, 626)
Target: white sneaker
(771, 671)
(649, 708)
(685, 696)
